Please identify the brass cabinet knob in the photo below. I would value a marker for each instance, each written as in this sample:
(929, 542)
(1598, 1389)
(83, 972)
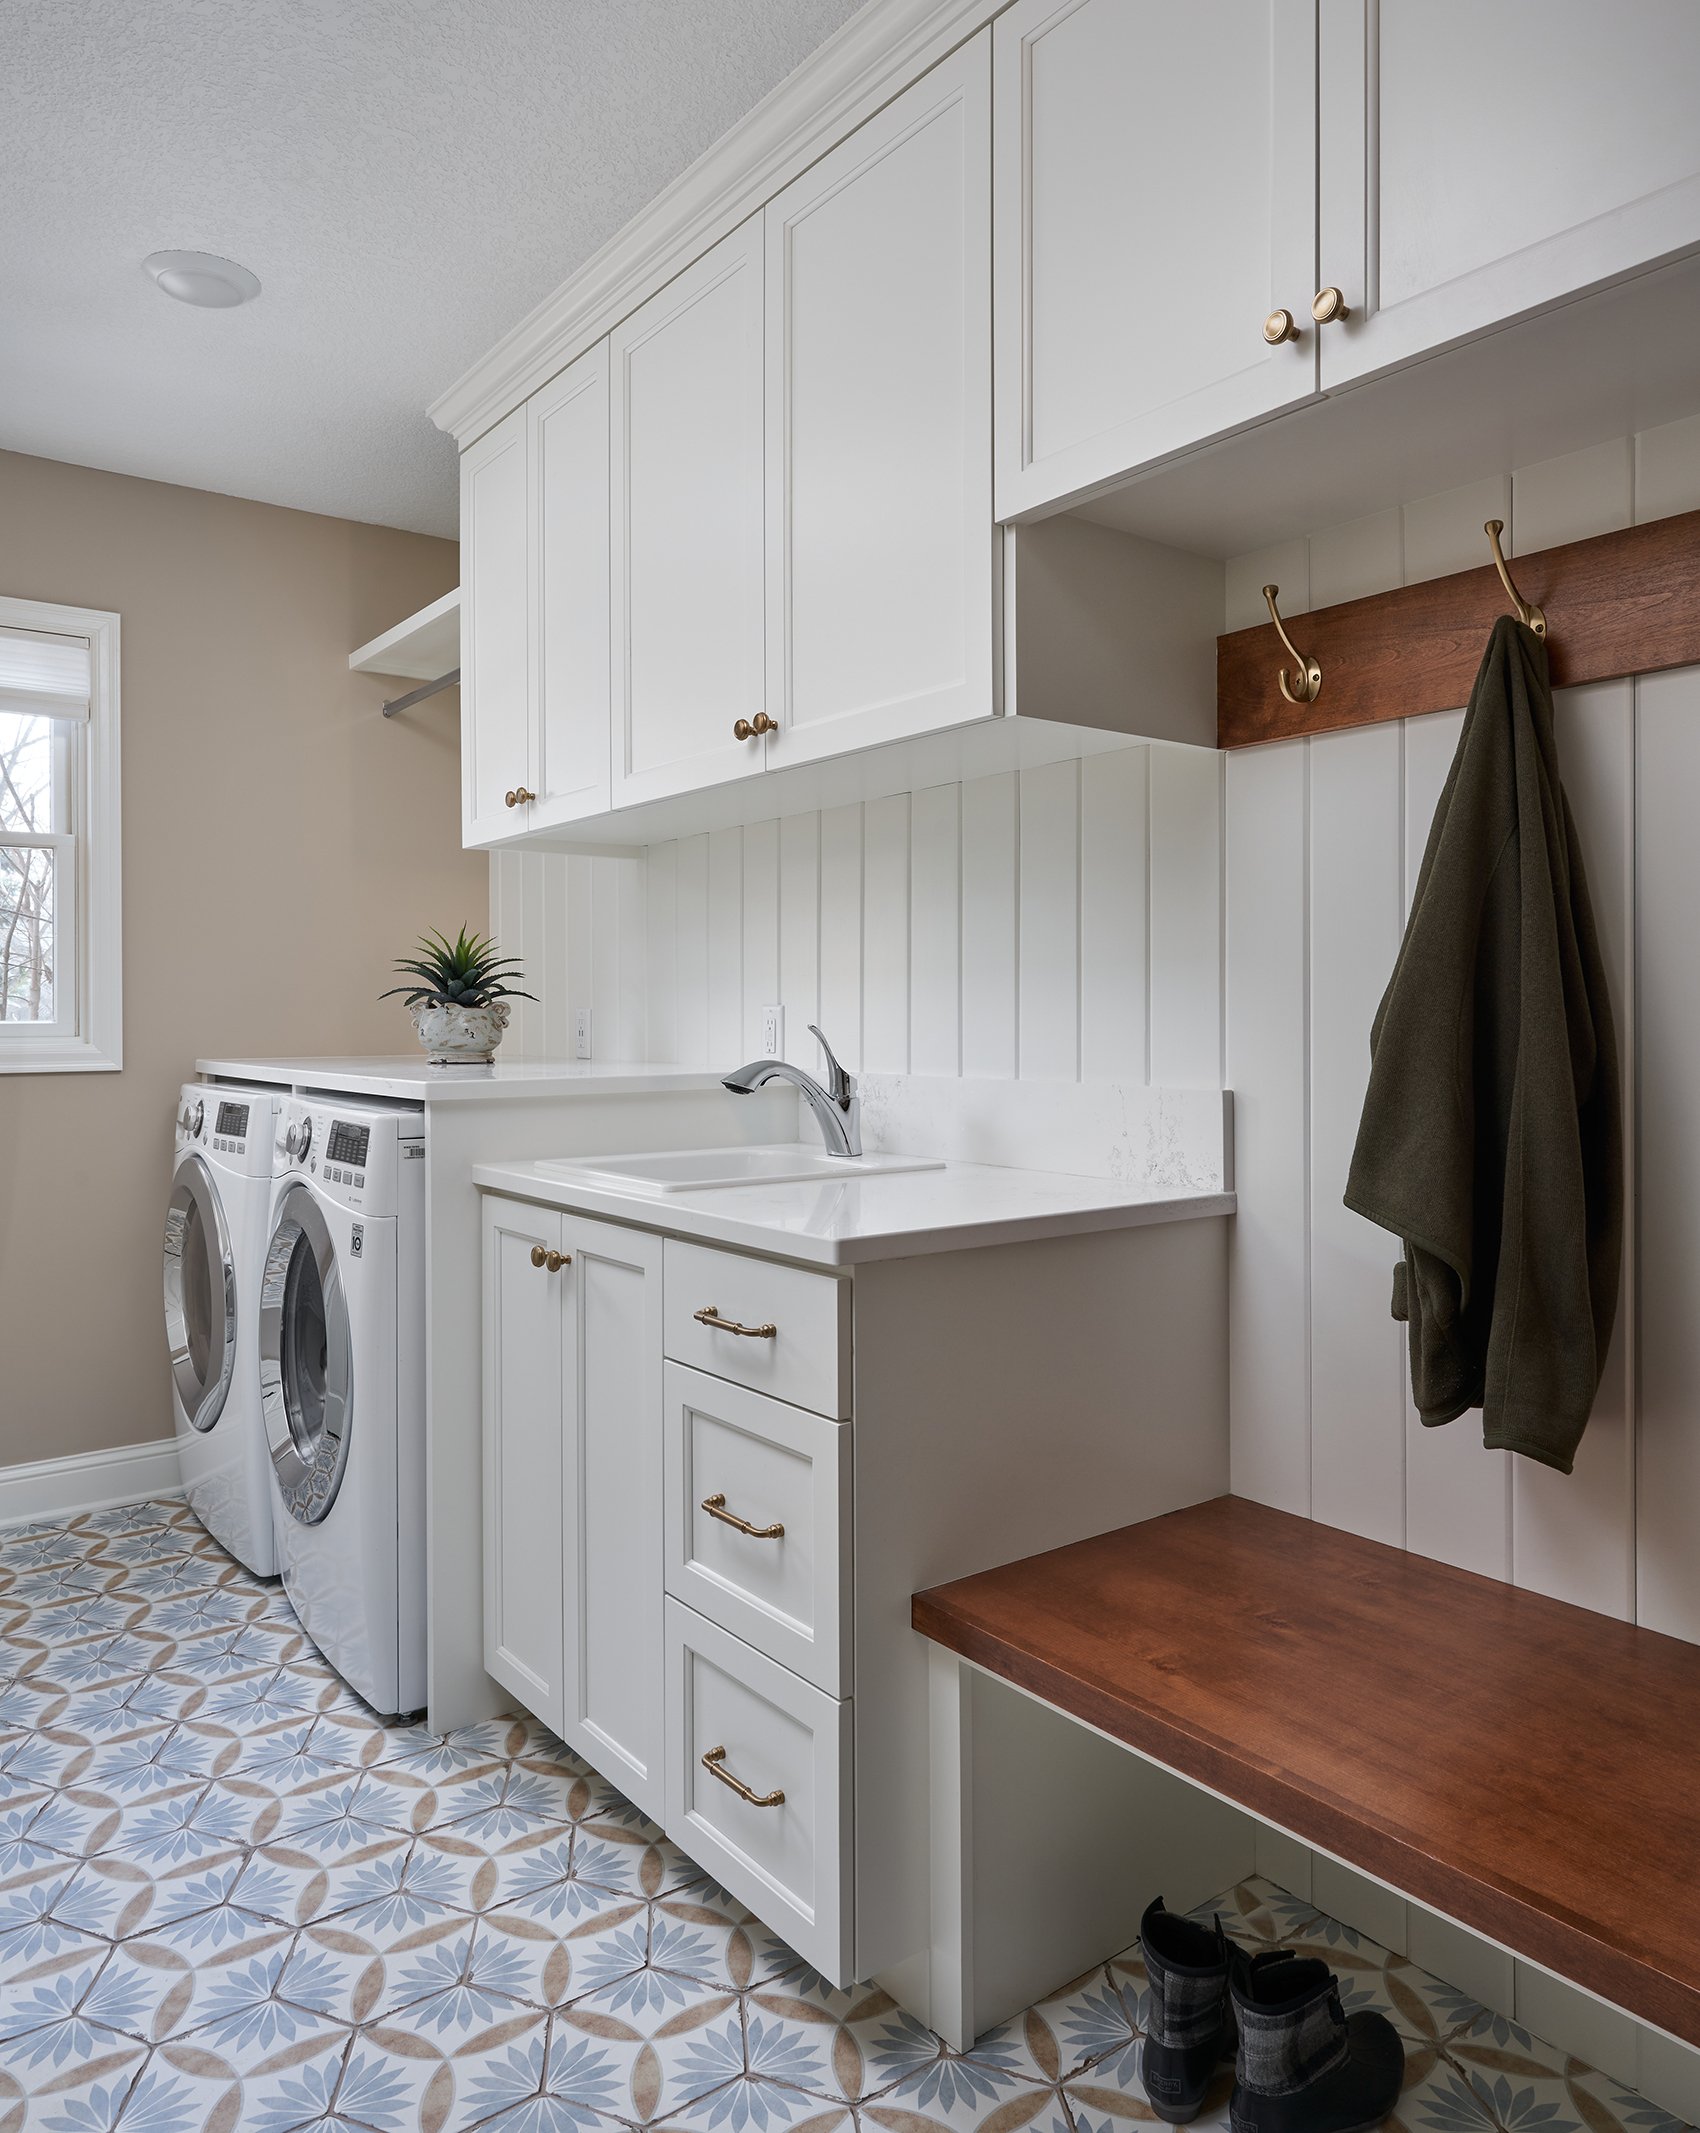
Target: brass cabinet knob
(1280, 326)
(742, 730)
(751, 729)
(1328, 306)
(554, 1261)
(538, 1255)
(519, 796)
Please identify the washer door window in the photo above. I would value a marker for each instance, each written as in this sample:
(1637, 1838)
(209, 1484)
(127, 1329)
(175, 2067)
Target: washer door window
(200, 1294)
(306, 1379)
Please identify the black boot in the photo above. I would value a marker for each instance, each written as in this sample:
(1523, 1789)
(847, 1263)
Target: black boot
(1303, 2065)
(1189, 2022)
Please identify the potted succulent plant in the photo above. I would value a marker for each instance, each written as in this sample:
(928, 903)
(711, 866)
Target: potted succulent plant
(458, 994)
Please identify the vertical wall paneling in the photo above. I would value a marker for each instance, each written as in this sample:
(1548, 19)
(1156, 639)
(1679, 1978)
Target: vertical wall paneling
(691, 951)
(661, 962)
(604, 902)
(1668, 1171)
(1457, 1496)
(761, 931)
(580, 880)
(1186, 917)
(799, 935)
(1115, 862)
(885, 920)
(990, 844)
(935, 926)
(1049, 990)
(1356, 918)
(841, 931)
(726, 945)
(534, 886)
(1268, 1271)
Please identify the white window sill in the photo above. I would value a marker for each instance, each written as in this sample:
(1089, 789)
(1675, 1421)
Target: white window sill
(55, 1055)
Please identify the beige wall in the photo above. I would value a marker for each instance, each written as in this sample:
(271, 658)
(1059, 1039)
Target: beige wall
(282, 842)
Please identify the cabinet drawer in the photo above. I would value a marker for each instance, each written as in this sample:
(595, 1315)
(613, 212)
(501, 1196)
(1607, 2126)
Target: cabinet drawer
(734, 1454)
(798, 1345)
(787, 1851)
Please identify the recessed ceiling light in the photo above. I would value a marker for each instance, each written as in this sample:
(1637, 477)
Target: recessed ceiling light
(203, 278)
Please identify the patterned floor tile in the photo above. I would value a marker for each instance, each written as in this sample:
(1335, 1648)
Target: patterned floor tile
(234, 1900)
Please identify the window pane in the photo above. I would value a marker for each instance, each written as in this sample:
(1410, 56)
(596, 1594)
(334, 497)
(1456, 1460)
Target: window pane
(32, 753)
(27, 941)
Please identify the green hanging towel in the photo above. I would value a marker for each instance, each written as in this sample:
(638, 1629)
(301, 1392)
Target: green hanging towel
(1491, 1142)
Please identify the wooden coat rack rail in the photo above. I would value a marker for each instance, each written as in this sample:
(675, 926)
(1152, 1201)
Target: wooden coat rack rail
(1621, 603)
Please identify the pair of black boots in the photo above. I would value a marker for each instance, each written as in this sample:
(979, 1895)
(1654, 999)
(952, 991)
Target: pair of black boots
(1301, 2064)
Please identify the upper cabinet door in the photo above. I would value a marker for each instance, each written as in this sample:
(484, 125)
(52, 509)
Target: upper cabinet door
(688, 653)
(1517, 151)
(495, 633)
(568, 444)
(879, 518)
(1155, 195)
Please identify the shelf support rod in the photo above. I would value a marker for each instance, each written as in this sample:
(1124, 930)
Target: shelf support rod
(417, 696)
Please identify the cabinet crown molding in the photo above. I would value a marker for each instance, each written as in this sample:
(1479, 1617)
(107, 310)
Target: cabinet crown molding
(882, 48)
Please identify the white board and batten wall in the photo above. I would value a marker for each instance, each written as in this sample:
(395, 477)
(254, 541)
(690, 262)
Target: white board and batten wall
(1322, 841)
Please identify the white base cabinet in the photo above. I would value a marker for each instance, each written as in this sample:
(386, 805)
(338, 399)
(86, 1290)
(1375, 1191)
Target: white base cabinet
(572, 1483)
(714, 1479)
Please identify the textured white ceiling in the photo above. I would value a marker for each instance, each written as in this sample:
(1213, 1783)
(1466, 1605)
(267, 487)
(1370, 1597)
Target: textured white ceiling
(406, 177)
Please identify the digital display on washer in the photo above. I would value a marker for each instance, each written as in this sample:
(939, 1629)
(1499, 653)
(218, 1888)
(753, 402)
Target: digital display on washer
(232, 1120)
(348, 1144)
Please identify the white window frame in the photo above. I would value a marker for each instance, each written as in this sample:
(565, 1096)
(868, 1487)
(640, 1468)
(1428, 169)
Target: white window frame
(91, 1038)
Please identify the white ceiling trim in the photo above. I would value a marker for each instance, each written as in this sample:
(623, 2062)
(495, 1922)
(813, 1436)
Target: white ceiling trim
(873, 58)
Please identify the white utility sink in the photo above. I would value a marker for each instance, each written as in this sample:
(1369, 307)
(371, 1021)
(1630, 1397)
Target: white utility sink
(707, 1169)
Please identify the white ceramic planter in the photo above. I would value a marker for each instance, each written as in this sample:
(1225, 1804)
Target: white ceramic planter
(461, 1036)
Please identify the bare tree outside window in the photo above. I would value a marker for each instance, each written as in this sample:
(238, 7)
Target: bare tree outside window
(30, 787)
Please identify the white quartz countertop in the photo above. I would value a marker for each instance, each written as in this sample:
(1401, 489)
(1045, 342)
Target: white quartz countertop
(407, 1077)
(895, 1216)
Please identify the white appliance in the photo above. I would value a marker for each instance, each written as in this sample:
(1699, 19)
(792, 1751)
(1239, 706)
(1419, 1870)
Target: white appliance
(216, 1227)
(342, 1387)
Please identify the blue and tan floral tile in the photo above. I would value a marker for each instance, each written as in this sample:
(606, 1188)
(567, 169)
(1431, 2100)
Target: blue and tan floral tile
(234, 1900)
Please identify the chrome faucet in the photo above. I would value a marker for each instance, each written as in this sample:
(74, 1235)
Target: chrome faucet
(837, 1107)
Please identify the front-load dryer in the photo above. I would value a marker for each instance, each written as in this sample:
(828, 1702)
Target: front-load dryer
(216, 1226)
(342, 1387)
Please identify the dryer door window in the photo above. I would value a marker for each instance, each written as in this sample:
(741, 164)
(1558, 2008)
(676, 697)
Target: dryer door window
(306, 1378)
(200, 1294)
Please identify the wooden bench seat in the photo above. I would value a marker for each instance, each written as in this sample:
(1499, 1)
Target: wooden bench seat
(1528, 1768)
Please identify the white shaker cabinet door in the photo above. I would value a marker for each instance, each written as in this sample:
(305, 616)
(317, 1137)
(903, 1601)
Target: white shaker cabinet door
(524, 1589)
(1155, 202)
(688, 650)
(879, 379)
(568, 445)
(495, 633)
(1516, 151)
(614, 1669)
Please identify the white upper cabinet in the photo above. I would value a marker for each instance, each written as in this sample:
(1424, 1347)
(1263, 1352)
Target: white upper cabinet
(879, 494)
(567, 446)
(688, 647)
(1155, 189)
(495, 635)
(1518, 151)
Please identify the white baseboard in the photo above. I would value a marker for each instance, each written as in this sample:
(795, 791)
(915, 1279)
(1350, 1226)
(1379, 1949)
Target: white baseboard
(88, 1481)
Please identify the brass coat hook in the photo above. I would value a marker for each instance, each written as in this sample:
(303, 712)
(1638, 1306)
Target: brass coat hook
(1530, 617)
(1304, 685)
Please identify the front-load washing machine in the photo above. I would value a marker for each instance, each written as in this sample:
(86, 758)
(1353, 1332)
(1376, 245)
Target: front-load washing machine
(342, 1387)
(216, 1227)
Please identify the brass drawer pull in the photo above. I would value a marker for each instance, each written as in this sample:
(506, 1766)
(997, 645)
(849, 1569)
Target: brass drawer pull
(710, 1316)
(714, 1762)
(715, 1506)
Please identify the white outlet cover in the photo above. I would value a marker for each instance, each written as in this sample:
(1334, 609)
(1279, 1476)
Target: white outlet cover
(581, 1033)
(773, 1032)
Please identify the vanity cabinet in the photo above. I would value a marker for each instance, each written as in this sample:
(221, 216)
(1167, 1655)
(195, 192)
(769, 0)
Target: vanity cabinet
(1479, 163)
(714, 1476)
(572, 1483)
(689, 646)
(1155, 184)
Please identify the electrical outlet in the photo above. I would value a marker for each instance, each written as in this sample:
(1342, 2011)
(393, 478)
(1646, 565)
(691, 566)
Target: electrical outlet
(581, 1033)
(773, 1032)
